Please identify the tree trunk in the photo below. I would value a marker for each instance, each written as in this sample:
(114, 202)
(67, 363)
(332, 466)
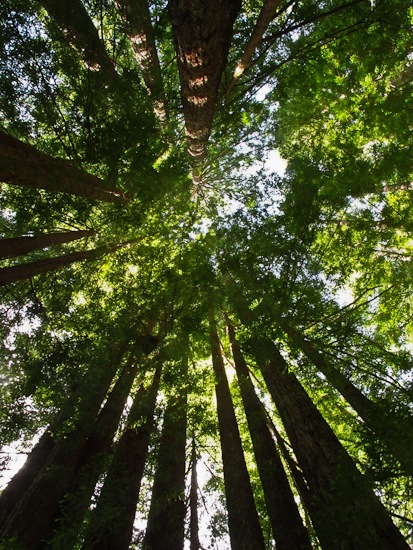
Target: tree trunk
(17, 246)
(287, 526)
(31, 517)
(244, 527)
(23, 164)
(202, 34)
(350, 516)
(137, 24)
(395, 433)
(69, 518)
(267, 14)
(79, 30)
(165, 527)
(111, 523)
(193, 503)
(21, 272)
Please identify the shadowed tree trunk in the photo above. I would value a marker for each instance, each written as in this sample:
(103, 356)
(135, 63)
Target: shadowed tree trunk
(32, 514)
(17, 246)
(21, 272)
(79, 30)
(193, 502)
(165, 527)
(202, 33)
(137, 24)
(287, 526)
(68, 520)
(350, 516)
(111, 523)
(267, 14)
(396, 433)
(244, 527)
(23, 164)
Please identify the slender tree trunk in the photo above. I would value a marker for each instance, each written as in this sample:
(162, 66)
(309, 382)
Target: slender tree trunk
(202, 33)
(267, 14)
(165, 528)
(193, 502)
(137, 23)
(23, 164)
(31, 517)
(395, 433)
(288, 529)
(111, 523)
(350, 516)
(21, 272)
(17, 246)
(244, 527)
(68, 520)
(79, 30)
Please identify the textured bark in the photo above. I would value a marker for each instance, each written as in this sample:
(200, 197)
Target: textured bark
(395, 433)
(137, 24)
(244, 527)
(79, 30)
(350, 516)
(21, 272)
(202, 33)
(32, 516)
(267, 14)
(111, 523)
(17, 246)
(165, 527)
(23, 164)
(287, 526)
(193, 503)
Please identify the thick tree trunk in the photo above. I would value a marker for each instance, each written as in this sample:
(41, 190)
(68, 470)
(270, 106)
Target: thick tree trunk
(244, 527)
(395, 433)
(79, 30)
(31, 517)
(17, 246)
(22, 480)
(21, 272)
(350, 516)
(111, 523)
(165, 527)
(193, 503)
(287, 526)
(69, 518)
(202, 33)
(137, 24)
(23, 164)
(267, 14)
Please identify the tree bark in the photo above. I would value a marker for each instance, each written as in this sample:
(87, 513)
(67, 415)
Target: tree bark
(137, 24)
(23, 164)
(68, 520)
(79, 30)
(111, 523)
(350, 516)
(31, 517)
(165, 527)
(244, 527)
(395, 433)
(193, 503)
(17, 246)
(21, 272)
(267, 14)
(202, 34)
(287, 526)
